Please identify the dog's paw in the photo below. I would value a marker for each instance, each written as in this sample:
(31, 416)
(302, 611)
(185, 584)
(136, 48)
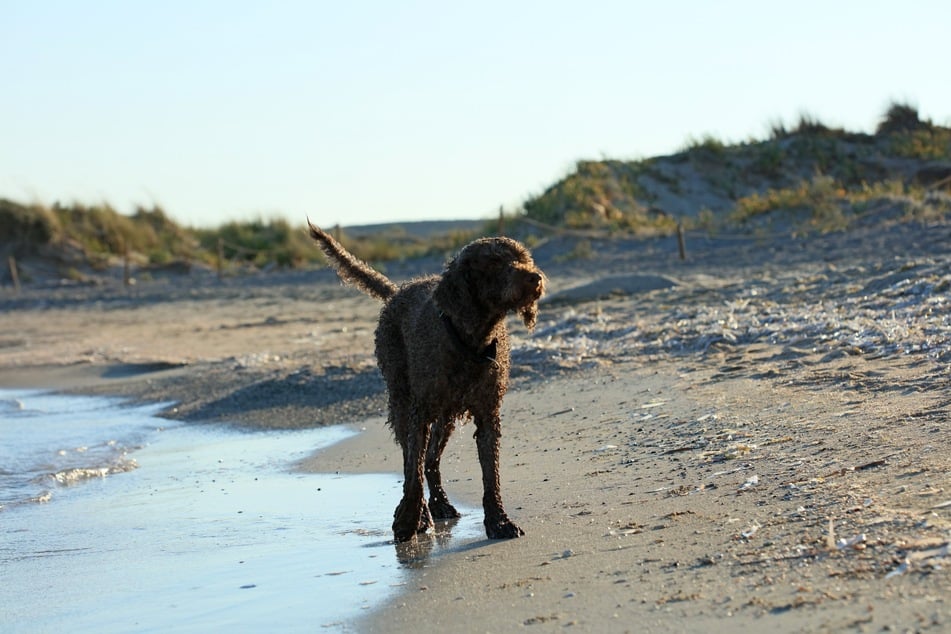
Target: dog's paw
(409, 519)
(443, 510)
(402, 535)
(502, 529)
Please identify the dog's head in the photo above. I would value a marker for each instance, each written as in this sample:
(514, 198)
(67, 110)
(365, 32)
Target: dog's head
(491, 277)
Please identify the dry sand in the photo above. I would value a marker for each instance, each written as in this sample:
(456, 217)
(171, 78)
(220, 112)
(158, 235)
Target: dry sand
(755, 438)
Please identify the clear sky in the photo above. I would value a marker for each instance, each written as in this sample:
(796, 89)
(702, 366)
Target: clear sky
(376, 111)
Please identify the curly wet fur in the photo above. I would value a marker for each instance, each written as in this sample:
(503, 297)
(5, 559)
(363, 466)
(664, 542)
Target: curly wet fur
(443, 349)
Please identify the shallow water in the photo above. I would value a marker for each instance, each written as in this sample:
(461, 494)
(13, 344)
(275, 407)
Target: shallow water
(51, 440)
(198, 527)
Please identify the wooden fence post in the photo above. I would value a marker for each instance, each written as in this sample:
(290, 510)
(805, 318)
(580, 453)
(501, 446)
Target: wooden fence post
(13, 274)
(221, 257)
(126, 266)
(681, 246)
(501, 221)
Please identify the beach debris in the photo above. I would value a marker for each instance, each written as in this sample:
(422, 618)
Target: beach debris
(604, 448)
(536, 620)
(738, 450)
(751, 482)
(729, 471)
(779, 440)
(749, 532)
(871, 465)
(924, 558)
(900, 570)
(939, 552)
(856, 542)
(684, 448)
(629, 528)
(825, 313)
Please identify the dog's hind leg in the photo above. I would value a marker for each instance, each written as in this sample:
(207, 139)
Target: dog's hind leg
(439, 505)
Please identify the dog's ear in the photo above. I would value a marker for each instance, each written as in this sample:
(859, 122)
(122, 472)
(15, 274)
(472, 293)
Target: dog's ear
(453, 295)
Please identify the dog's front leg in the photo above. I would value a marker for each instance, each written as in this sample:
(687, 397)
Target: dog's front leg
(412, 515)
(497, 523)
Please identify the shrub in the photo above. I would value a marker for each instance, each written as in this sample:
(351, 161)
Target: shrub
(260, 242)
(709, 146)
(927, 144)
(601, 195)
(819, 200)
(901, 117)
(29, 225)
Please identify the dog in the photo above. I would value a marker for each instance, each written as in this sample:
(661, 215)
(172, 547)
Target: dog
(443, 349)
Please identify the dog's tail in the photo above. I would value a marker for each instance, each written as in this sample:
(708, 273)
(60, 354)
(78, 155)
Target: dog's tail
(350, 269)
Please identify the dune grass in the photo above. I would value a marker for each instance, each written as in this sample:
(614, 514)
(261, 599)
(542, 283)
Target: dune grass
(151, 237)
(816, 173)
(819, 176)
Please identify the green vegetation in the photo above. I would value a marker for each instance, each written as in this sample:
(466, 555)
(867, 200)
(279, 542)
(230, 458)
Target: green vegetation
(808, 177)
(397, 244)
(812, 176)
(99, 232)
(808, 126)
(99, 236)
(27, 225)
(601, 195)
(819, 201)
(925, 144)
(709, 146)
(824, 205)
(259, 243)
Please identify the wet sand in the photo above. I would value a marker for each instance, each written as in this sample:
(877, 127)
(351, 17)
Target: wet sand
(759, 442)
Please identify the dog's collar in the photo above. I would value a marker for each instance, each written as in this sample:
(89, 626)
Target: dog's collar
(485, 355)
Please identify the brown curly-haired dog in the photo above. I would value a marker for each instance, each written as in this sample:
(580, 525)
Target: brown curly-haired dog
(443, 349)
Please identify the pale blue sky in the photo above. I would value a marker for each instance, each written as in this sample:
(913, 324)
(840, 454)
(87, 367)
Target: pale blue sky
(356, 112)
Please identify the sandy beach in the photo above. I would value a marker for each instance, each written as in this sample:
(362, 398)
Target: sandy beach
(754, 438)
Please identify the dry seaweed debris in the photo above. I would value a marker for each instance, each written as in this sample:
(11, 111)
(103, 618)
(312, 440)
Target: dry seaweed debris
(829, 312)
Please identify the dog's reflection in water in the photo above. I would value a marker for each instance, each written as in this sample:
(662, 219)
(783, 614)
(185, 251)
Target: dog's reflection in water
(415, 553)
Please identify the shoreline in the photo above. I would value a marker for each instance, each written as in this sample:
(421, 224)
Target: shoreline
(761, 444)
